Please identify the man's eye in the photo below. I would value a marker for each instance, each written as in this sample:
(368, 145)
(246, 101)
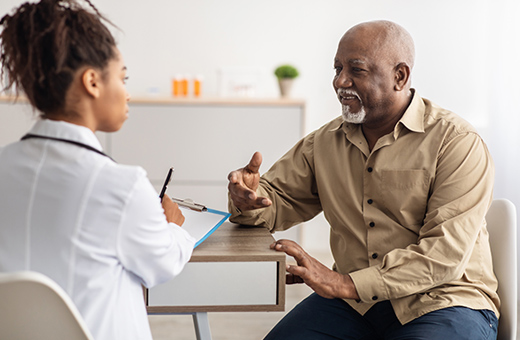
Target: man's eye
(337, 69)
(125, 79)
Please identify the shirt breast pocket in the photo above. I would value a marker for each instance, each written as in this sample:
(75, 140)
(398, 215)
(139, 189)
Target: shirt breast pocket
(405, 195)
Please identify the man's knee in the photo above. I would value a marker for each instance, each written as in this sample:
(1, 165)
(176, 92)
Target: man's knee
(320, 318)
(459, 323)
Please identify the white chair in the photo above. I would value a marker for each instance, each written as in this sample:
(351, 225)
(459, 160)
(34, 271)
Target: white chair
(32, 306)
(501, 224)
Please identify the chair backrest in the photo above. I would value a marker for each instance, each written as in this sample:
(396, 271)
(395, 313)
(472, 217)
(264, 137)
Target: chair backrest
(32, 306)
(501, 224)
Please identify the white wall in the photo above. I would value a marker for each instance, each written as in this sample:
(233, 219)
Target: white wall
(160, 38)
(467, 51)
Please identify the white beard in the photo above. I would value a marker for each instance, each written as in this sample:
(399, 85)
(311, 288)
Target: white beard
(353, 117)
(349, 116)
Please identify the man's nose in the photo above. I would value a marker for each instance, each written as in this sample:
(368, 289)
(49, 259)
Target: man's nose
(343, 80)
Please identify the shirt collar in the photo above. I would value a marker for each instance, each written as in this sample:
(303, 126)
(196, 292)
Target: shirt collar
(64, 130)
(340, 122)
(412, 119)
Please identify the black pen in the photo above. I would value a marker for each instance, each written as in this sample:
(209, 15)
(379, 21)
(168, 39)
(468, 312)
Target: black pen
(166, 182)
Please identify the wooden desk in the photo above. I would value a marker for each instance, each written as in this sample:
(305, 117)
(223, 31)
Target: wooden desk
(233, 270)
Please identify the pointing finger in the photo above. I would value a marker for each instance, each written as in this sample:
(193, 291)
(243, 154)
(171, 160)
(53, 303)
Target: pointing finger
(254, 163)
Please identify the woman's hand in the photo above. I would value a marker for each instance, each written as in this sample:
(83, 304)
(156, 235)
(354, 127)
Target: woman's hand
(171, 211)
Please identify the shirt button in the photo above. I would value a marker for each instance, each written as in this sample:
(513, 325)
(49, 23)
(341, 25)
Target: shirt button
(374, 256)
(374, 298)
(370, 201)
(370, 169)
(372, 224)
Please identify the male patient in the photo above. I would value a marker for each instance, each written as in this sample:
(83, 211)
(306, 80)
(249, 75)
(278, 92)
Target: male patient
(405, 186)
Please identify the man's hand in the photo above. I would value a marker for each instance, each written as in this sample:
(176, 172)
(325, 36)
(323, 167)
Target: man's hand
(171, 211)
(243, 184)
(325, 282)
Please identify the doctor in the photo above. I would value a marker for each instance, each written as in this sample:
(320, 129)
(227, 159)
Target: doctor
(67, 210)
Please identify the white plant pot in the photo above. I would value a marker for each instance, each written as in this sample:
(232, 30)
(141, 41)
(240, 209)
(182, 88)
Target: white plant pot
(285, 86)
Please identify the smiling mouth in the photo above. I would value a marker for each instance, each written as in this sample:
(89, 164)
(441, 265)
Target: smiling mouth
(346, 99)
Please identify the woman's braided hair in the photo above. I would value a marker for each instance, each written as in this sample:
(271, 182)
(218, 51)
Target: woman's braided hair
(43, 44)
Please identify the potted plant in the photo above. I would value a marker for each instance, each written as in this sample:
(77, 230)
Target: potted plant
(285, 75)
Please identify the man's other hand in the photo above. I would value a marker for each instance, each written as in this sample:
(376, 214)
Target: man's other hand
(243, 184)
(324, 281)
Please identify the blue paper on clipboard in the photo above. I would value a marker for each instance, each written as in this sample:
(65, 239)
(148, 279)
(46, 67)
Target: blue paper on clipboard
(201, 224)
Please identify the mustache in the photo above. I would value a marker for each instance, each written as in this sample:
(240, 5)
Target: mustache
(347, 92)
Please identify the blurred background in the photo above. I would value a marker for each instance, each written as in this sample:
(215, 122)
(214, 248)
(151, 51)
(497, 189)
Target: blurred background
(467, 59)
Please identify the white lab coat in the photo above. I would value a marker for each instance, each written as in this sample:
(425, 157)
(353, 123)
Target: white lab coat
(95, 227)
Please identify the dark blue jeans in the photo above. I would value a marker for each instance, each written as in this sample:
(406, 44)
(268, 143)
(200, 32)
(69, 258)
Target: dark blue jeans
(317, 318)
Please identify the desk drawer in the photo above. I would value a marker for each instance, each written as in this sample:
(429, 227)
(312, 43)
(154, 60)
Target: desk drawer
(219, 286)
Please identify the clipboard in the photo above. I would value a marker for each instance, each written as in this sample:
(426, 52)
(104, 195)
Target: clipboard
(200, 221)
(201, 224)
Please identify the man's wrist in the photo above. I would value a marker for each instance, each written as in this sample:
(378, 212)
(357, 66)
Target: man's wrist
(349, 291)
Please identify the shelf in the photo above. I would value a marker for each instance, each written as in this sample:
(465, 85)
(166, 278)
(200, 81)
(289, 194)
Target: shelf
(202, 101)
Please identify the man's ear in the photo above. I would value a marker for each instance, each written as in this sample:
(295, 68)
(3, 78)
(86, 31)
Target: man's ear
(402, 76)
(91, 81)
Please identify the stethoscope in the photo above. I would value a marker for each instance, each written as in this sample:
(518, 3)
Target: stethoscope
(85, 146)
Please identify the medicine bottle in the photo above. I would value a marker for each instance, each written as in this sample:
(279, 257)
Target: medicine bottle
(176, 86)
(197, 86)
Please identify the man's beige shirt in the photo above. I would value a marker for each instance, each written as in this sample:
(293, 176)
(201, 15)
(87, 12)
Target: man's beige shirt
(407, 218)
